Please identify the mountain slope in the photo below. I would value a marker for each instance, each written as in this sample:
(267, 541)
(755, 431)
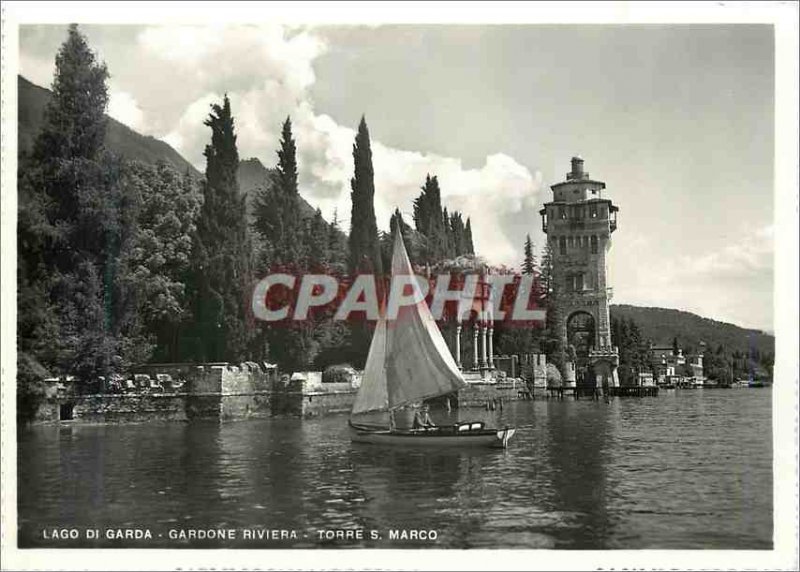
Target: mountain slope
(121, 139)
(661, 325)
(125, 141)
(253, 175)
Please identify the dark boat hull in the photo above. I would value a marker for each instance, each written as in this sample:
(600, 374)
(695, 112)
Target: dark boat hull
(431, 437)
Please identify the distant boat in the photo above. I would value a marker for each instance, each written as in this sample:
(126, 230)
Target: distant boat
(408, 362)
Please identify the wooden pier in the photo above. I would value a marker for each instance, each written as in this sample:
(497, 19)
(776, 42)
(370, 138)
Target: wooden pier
(579, 392)
(633, 391)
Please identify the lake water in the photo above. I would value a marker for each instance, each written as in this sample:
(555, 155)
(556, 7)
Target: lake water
(688, 469)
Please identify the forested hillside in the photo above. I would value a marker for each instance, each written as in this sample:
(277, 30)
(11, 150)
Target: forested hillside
(661, 325)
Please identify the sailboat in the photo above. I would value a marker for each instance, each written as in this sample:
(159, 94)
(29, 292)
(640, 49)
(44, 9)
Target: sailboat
(408, 362)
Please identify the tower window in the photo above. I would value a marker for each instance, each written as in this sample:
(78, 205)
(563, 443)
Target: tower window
(562, 245)
(562, 213)
(571, 242)
(593, 211)
(594, 244)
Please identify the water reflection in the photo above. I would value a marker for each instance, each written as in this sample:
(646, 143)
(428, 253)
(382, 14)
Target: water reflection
(687, 470)
(576, 450)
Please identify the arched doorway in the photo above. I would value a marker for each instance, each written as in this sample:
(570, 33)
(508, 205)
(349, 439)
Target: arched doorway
(580, 335)
(604, 374)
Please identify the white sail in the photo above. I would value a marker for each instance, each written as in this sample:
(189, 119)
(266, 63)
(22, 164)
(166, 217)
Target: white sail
(419, 364)
(408, 359)
(372, 393)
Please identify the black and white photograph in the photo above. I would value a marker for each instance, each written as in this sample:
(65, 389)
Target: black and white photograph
(335, 287)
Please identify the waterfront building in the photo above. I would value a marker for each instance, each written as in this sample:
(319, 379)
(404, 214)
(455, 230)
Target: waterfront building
(673, 368)
(578, 223)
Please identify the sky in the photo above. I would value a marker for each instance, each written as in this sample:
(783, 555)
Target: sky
(678, 120)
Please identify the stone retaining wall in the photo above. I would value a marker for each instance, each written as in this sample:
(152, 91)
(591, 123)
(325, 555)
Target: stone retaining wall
(316, 404)
(118, 408)
(479, 394)
(227, 392)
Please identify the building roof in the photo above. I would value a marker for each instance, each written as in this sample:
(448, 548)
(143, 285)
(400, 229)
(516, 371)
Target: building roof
(578, 182)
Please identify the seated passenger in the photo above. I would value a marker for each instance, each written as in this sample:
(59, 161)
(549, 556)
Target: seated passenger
(422, 419)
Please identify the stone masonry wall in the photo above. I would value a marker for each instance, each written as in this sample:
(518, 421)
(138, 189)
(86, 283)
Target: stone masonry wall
(479, 394)
(327, 403)
(244, 392)
(118, 408)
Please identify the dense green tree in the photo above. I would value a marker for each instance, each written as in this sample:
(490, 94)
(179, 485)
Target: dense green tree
(337, 245)
(363, 243)
(634, 351)
(469, 247)
(529, 262)
(297, 244)
(75, 121)
(448, 247)
(69, 226)
(396, 222)
(222, 264)
(429, 220)
(552, 342)
(444, 234)
(716, 367)
(316, 242)
(546, 269)
(155, 262)
(635, 345)
(458, 234)
(278, 220)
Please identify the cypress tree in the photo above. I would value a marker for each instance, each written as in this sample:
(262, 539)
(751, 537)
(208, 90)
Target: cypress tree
(396, 222)
(429, 220)
(457, 233)
(277, 207)
(529, 263)
(363, 244)
(468, 244)
(222, 264)
(447, 239)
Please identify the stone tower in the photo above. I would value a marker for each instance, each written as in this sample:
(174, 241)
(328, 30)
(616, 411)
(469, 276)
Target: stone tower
(578, 223)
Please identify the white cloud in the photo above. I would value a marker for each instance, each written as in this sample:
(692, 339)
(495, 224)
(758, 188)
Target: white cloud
(752, 255)
(733, 283)
(267, 73)
(123, 107)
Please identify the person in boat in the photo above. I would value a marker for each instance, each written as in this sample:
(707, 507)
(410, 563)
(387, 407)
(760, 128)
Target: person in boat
(422, 418)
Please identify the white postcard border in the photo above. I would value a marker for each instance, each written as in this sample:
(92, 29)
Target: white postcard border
(783, 15)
